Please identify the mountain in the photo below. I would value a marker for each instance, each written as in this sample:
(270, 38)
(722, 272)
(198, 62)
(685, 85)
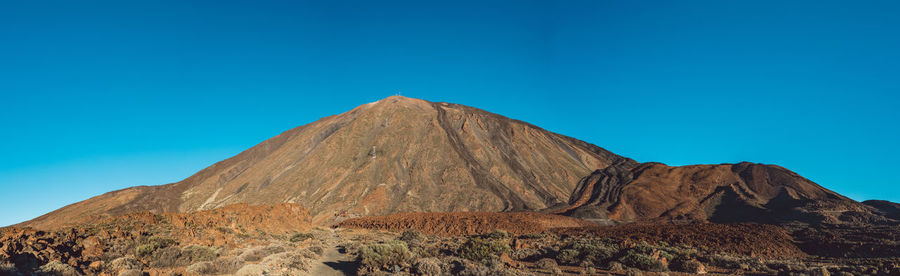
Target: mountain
(886, 208)
(409, 155)
(395, 155)
(725, 193)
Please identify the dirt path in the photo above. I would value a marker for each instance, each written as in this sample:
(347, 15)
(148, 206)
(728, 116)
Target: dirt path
(334, 260)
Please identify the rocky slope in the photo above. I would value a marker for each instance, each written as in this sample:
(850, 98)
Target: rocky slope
(144, 240)
(744, 192)
(395, 155)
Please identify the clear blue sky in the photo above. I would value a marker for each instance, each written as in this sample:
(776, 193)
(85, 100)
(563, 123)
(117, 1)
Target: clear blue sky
(103, 95)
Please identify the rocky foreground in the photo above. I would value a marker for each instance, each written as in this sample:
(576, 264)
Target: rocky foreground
(279, 240)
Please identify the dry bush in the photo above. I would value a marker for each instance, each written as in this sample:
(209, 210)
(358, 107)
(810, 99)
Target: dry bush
(251, 270)
(131, 272)
(285, 263)
(546, 263)
(123, 263)
(385, 255)
(642, 261)
(685, 264)
(8, 269)
(227, 265)
(299, 237)
(413, 238)
(258, 253)
(224, 265)
(428, 266)
(201, 268)
(175, 256)
(57, 268)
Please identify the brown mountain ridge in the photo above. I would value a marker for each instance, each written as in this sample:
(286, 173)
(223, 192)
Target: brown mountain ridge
(408, 155)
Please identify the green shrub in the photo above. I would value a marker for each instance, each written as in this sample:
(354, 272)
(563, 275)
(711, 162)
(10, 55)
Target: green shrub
(639, 260)
(666, 255)
(199, 253)
(161, 242)
(642, 248)
(299, 237)
(596, 251)
(724, 261)
(497, 234)
(568, 256)
(144, 250)
(525, 254)
(152, 244)
(385, 255)
(478, 249)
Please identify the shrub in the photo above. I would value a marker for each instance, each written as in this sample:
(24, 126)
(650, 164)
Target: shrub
(227, 265)
(131, 272)
(200, 253)
(478, 249)
(684, 264)
(251, 270)
(637, 259)
(299, 237)
(524, 254)
(596, 251)
(174, 256)
(725, 261)
(123, 263)
(161, 242)
(168, 257)
(258, 253)
(428, 266)
(615, 266)
(152, 244)
(385, 255)
(497, 234)
(284, 263)
(412, 238)
(546, 263)
(201, 268)
(144, 249)
(633, 272)
(58, 268)
(8, 269)
(532, 236)
(568, 256)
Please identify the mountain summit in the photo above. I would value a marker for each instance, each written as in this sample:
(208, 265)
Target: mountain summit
(398, 154)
